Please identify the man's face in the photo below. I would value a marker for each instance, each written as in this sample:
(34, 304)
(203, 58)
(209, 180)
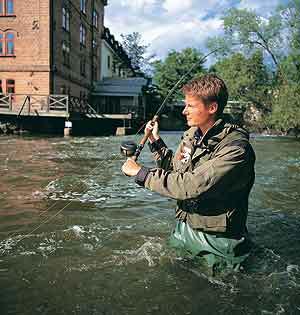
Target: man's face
(197, 113)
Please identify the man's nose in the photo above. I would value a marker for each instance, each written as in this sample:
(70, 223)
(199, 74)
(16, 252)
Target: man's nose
(184, 112)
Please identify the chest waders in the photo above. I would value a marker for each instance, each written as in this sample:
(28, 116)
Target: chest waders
(218, 252)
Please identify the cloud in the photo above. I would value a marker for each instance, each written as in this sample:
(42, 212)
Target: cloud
(191, 33)
(175, 24)
(259, 5)
(177, 6)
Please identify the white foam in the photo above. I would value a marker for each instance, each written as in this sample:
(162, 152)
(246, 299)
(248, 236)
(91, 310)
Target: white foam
(149, 251)
(78, 230)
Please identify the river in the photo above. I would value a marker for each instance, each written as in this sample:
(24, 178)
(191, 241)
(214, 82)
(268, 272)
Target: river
(78, 237)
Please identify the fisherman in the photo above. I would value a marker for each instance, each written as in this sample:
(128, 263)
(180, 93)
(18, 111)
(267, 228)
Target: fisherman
(210, 175)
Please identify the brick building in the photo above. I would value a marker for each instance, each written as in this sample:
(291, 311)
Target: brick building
(50, 47)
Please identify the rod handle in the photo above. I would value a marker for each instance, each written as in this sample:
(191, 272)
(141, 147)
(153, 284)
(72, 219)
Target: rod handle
(144, 140)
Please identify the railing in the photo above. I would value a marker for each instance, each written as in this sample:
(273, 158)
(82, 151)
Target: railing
(33, 103)
(59, 102)
(78, 105)
(5, 101)
(53, 105)
(235, 107)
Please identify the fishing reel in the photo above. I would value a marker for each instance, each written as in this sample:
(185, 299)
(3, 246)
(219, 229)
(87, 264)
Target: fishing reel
(131, 149)
(128, 148)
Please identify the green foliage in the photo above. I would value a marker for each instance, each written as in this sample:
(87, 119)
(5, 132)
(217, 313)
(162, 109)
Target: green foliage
(290, 66)
(291, 17)
(223, 46)
(246, 31)
(177, 64)
(286, 108)
(246, 78)
(245, 73)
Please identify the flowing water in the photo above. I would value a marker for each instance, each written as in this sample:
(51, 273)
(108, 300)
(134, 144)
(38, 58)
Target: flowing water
(78, 237)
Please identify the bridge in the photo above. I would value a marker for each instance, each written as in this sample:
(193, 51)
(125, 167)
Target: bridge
(30, 109)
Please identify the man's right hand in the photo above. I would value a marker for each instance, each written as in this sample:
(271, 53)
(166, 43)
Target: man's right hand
(152, 128)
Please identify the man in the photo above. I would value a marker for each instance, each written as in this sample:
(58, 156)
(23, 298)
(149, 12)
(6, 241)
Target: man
(210, 176)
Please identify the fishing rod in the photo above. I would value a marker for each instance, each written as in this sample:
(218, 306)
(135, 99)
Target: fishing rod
(130, 148)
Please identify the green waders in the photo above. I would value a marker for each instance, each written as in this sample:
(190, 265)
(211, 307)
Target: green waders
(219, 252)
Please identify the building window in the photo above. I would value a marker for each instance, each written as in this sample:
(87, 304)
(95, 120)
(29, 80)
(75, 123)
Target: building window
(6, 7)
(10, 44)
(108, 62)
(83, 6)
(82, 35)
(63, 90)
(95, 73)
(95, 19)
(83, 66)
(7, 44)
(1, 44)
(66, 53)
(10, 86)
(95, 46)
(66, 19)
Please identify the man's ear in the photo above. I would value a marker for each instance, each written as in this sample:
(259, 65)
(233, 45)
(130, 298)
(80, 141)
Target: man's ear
(213, 107)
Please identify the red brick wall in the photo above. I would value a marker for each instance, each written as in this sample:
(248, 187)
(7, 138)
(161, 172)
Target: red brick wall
(30, 67)
(31, 64)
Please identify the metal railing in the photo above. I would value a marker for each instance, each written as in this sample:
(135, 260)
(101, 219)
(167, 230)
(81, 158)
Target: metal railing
(78, 105)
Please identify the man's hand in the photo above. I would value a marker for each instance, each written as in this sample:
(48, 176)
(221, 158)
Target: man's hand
(130, 167)
(152, 130)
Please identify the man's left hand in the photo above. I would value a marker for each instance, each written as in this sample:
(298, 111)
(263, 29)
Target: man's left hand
(130, 167)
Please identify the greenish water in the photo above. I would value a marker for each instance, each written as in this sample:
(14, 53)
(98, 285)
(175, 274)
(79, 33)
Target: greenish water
(77, 237)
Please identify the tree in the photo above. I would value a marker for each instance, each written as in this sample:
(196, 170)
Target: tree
(176, 65)
(286, 108)
(247, 31)
(247, 76)
(247, 79)
(291, 19)
(137, 51)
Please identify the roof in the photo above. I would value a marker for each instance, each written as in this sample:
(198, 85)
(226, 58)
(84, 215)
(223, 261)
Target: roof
(119, 87)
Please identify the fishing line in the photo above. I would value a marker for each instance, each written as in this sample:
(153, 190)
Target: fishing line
(81, 183)
(158, 112)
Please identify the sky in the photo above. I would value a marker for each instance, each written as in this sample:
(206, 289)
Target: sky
(175, 24)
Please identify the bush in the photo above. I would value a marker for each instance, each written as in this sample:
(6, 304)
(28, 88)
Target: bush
(286, 108)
